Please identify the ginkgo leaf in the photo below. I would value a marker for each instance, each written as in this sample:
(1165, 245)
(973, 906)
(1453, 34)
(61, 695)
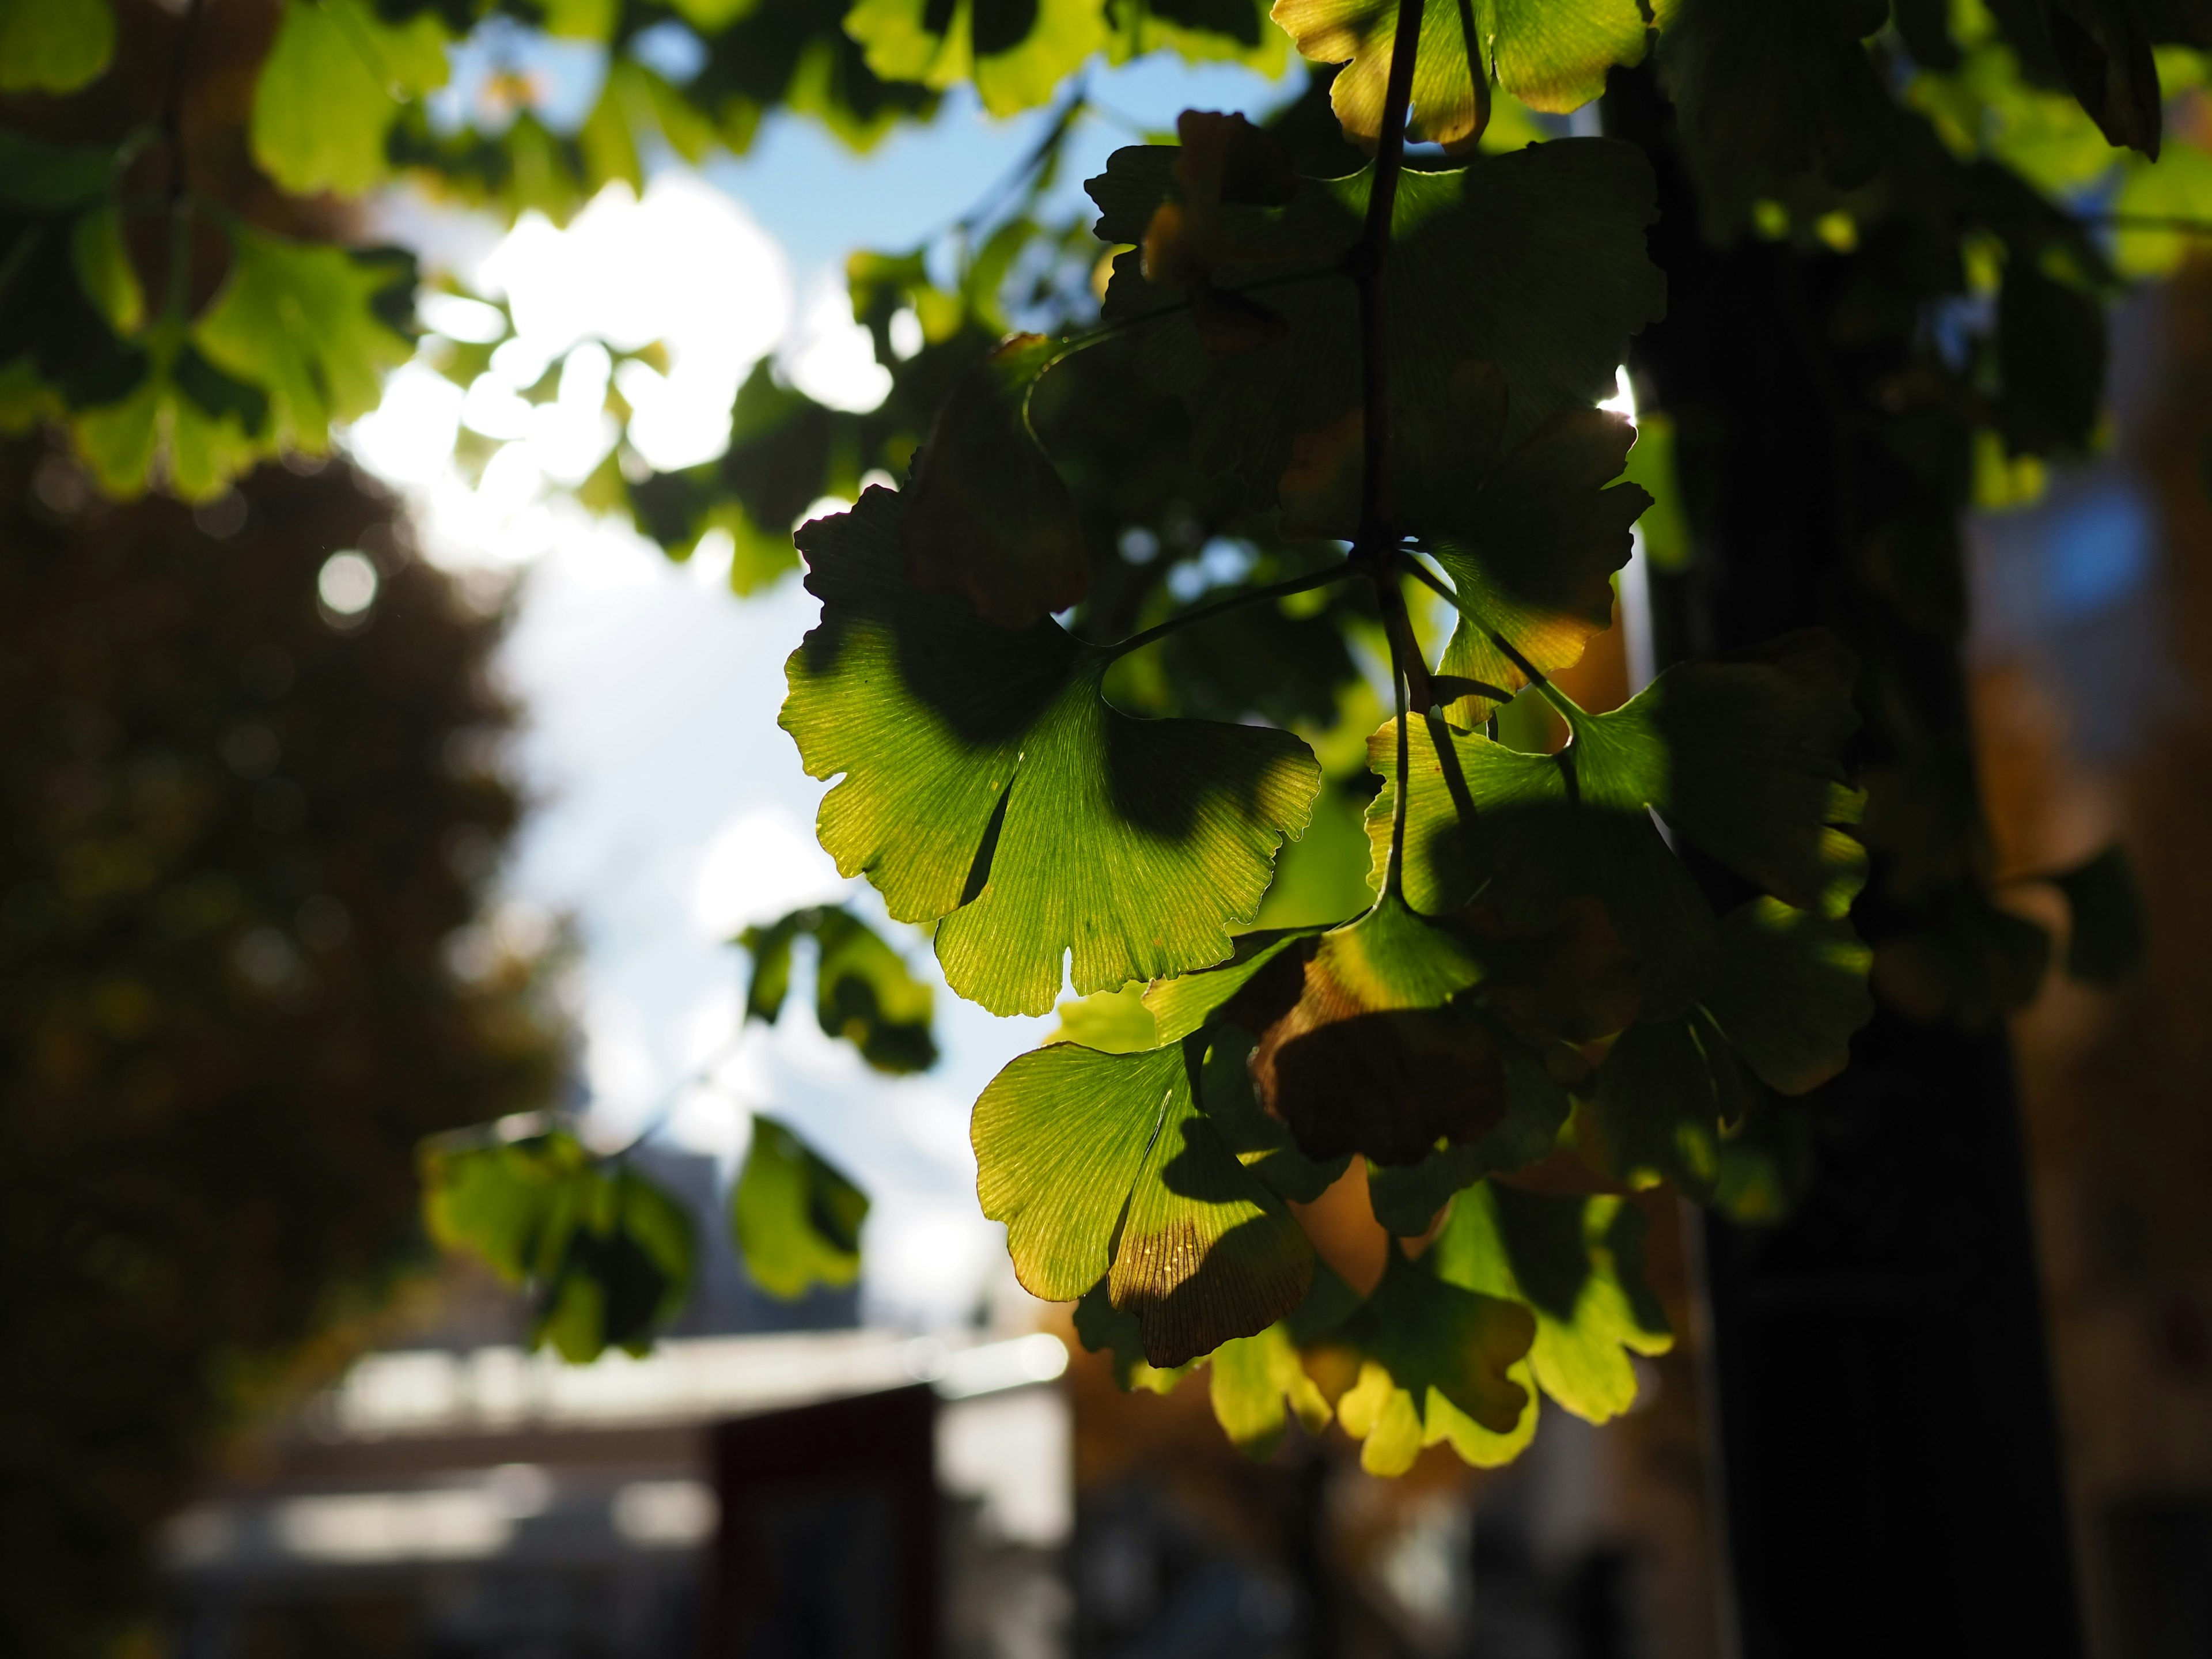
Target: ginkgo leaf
(1406, 1198)
(1199, 32)
(2108, 937)
(1767, 92)
(54, 46)
(1104, 1329)
(987, 514)
(331, 88)
(1370, 1058)
(1016, 52)
(1184, 1005)
(1578, 1264)
(607, 1254)
(987, 782)
(796, 1217)
(863, 993)
(1741, 757)
(1532, 262)
(1664, 1094)
(1250, 1378)
(1551, 57)
(1533, 551)
(187, 425)
(1790, 991)
(1087, 1156)
(314, 325)
(1260, 1140)
(1428, 1343)
(63, 280)
(1112, 1021)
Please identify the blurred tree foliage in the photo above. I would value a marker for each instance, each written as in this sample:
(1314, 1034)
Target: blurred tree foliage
(240, 832)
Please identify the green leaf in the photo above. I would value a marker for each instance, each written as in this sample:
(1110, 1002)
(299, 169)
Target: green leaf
(864, 992)
(54, 46)
(795, 1216)
(330, 89)
(1104, 1329)
(2050, 361)
(1098, 1161)
(1016, 52)
(1368, 1057)
(1439, 1359)
(1406, 1197)
(1739, 757)
(1767, 92)
(1250, 1378)
(1790, 991)
(1112, 1021)
(986, 782)
(1551, 56)
(103, 269)
(313, 325)
(1578, 1264)
(607, 1254)
(187, 425)
(987, 514)
(1199, 32)
(1260, 1141)
(2110, 936)
(1533, 551)
(1532, 263)
(2178, 187)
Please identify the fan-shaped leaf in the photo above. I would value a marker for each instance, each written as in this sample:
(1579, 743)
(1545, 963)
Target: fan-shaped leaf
(796, 1217)
(331, 88)
(1016, 52)
(1532, 262)
(1086, 1156)
(54, 46)
(314, 325)
(1551, 56)
(1578, 1264)
(987, 782)
(1248, 1380)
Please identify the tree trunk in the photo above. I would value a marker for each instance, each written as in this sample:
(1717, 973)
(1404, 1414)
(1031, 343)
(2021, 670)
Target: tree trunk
(1889, 1465)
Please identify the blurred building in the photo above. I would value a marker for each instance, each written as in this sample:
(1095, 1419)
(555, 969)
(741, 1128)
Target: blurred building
(461, 1498)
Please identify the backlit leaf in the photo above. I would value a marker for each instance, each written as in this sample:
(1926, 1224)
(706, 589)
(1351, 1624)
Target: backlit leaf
(985, 513)
(1098, 1161)
(2109, 938)
(1578, 1264)
(1016, 52)
(1435, 1352)
(1532, 263)
(1250, 1378)
(314, 325)
(54, 46)
(330, 89)
(864, 992)
(1552, 55)
(796, 1217)
(986, 782)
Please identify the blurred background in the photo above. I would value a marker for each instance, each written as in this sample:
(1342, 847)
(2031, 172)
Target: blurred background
(415, 739)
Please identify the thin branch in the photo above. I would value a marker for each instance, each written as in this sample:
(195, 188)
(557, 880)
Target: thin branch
(172, 98)
(1409, 669)
(1368, 263)
(1343, 571)
(1394, 871)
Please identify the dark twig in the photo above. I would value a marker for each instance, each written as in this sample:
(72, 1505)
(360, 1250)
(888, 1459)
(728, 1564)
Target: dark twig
(1281, 590)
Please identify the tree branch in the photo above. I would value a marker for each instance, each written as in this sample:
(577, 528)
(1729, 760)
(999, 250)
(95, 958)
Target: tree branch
(1281, 590)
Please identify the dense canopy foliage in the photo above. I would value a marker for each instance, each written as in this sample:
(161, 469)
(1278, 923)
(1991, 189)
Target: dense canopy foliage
(1284, 472)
